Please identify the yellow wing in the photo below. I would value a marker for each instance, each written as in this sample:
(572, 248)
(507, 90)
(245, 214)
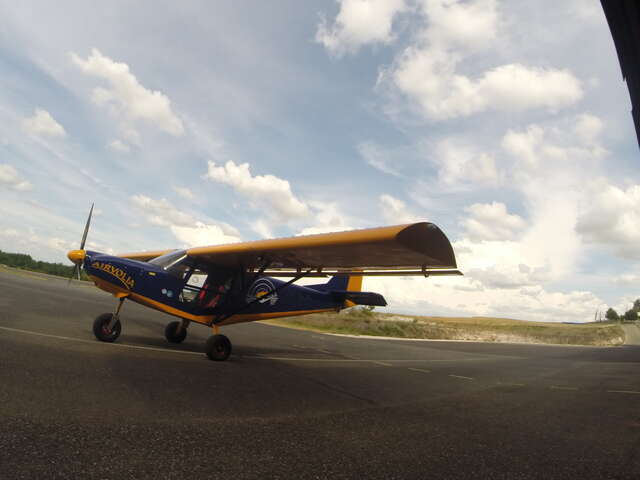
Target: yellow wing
(419, 248)
(145, 256)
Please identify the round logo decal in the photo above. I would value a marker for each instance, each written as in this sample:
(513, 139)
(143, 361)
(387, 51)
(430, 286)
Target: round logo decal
(262, 290)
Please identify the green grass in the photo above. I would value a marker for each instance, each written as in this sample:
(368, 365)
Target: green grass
(359, 322)
(26, 262)
(27, 270)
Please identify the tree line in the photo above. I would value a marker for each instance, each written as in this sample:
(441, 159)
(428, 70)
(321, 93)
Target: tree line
(631, 314)
(25, 262)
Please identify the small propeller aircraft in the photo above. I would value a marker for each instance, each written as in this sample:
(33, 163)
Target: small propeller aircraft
(240, 282)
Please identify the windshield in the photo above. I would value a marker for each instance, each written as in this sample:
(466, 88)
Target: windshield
(167, 260)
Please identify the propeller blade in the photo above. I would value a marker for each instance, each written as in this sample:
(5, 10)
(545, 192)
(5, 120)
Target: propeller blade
(73, 254)
(86, 229)
(76, 268)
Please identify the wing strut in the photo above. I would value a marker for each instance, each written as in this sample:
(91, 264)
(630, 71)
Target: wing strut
(222, 318)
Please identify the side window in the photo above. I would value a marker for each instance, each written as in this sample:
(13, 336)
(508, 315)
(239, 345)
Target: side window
(193, 285)
(214, 290)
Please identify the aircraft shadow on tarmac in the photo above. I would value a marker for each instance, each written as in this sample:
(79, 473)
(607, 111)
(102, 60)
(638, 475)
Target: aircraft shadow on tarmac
(197, 346)
(159, 342)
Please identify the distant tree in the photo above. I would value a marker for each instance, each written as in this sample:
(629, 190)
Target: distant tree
(612, 314)
(636, 305)
(631, 315)
(21, 260)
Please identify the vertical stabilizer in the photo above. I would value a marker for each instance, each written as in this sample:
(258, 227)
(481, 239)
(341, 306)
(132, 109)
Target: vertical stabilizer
(355, 283)
(348, 290)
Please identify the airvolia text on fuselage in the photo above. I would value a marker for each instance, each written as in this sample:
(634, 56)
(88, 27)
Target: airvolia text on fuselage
(243, 282)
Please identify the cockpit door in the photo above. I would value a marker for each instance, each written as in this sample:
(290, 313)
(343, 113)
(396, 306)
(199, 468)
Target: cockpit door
(193, 282)
(203, 292)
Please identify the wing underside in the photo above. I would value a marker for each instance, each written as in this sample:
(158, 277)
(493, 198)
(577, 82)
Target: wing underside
(419, 248)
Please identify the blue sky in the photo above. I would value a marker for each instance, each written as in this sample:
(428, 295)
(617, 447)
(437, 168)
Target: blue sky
(505, 123)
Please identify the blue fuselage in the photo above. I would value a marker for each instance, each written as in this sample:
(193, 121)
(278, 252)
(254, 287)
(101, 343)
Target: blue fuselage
(245, 296)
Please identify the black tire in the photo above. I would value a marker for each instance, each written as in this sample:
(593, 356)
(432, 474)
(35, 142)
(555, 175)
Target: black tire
(218, 348)
(174, 333)
(101, 328)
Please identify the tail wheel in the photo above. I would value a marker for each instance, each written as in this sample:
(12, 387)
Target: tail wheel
(174, 332)
(103, 331)
(218, 348)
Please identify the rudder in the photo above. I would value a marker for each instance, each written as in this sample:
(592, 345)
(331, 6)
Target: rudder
(355, 283)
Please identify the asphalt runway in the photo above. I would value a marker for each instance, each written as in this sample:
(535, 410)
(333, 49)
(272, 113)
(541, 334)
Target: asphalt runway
(293, 404)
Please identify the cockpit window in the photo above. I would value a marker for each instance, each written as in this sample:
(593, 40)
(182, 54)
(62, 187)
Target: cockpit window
(176, 263)
(168, 259)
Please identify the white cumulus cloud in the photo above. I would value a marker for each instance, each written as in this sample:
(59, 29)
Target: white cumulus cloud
(262, 228)
(631, 279)
(29, 241)
(190, 231)
(394, 211)
(202, 234)
(518, 87)
(504, 264)
(377, 158)
(161, 212)
(126, 95)
(563, 158)
(452, 296)
(610, 216)
(429, 77)
(359, 22)
(118, 146)
(10, 178)
(459, 163)
(470, 25)
(491, 221)
(268, 193)
(551, 167)
(525, 145)
(588, 128)
(41, 123)
(427, 72)
(184, 192)
(327, 217)
(508, 262)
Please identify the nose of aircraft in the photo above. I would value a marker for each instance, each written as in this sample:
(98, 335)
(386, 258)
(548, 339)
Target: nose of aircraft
(76, 256)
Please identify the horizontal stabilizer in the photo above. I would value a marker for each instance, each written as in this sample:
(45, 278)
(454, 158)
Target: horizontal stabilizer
(360, 298)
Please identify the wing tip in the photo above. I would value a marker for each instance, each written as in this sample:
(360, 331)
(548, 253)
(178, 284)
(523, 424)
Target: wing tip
(428, 239)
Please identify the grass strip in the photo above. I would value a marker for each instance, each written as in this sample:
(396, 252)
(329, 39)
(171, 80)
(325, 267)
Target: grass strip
(357, 321)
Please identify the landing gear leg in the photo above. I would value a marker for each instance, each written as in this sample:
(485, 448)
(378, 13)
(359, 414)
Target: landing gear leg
(176, 332)
(218, 347)
(107, 327)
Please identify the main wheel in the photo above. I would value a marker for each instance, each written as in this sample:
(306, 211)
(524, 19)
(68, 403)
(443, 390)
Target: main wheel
(101, 328)
(174, 332)
(218, 348)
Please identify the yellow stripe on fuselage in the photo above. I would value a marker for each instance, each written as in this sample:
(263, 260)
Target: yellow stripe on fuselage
(149, 302)
(206, 319)
(202, 319)
(254, 317)
(107, 286)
